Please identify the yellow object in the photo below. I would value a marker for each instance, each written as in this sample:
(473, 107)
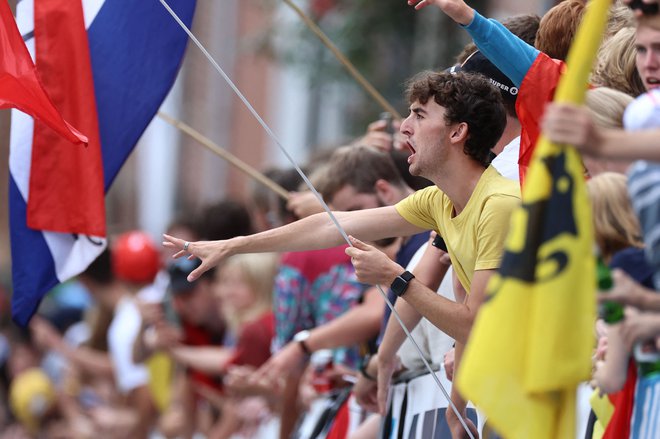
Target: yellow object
(532, 340)
(604, 410)
(161, 368)
(31, 396)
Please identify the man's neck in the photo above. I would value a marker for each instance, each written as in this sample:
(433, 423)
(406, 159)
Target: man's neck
(459, 182)
(511, 131)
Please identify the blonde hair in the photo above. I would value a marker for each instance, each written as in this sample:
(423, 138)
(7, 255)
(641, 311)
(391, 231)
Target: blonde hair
(619, 17)
(607, 106)
(615, 64)
(615, 225)
(258, 271)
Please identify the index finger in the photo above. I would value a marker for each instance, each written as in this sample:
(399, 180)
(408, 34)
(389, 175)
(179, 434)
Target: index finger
(378, 125)
(418, 4)
(197, 272)
(172, 242)
(352, 251)
(358, 244)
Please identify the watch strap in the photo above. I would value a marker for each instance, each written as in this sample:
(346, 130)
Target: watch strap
(363, 368)
(304, 347)
(407, 276)
(400, 283)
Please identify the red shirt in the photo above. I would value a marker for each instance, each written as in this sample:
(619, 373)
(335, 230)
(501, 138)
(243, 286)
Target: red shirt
(254, 340)
(199, 336)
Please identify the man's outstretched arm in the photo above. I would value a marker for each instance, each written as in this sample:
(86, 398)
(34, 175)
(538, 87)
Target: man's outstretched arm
(311, 233)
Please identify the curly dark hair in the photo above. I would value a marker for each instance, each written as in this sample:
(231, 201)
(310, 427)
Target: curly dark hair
(466, 97)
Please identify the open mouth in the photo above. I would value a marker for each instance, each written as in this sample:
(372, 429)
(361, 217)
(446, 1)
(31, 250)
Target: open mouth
(410, 147)
(653, 82)
(412, 151)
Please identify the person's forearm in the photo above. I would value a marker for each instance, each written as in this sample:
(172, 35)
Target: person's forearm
(205, 359)
(429, 270)
(318, 231)
(140, 350)
(433, 277)
(454, 319)
(142, 403)
(509, 53)
(311, 233)
(92, 361)
(188, 400)
(625, 145)
(394, 336)
(650, 300)
(456, 397)
(359, 324)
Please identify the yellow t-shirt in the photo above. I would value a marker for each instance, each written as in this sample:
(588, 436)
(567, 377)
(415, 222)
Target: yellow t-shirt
(475, 238)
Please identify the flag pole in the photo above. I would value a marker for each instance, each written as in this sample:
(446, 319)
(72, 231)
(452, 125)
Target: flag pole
(231, 158)
(344, 61)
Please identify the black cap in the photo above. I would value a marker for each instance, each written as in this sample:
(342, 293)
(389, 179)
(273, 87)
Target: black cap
(179, 270)
(478, 63)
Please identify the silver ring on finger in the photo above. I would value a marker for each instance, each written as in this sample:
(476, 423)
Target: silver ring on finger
(185, 246)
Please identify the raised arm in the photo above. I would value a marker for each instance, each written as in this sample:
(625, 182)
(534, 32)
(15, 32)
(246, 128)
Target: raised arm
(509, 53)
(311, 233)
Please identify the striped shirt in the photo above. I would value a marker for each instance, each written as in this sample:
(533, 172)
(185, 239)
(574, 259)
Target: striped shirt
(643, 177)
(644, 191)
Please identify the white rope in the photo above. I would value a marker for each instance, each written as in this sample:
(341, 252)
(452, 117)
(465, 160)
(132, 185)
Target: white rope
(318, 197)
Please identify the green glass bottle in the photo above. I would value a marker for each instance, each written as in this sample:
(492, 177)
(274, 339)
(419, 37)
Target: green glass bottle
(611, 312)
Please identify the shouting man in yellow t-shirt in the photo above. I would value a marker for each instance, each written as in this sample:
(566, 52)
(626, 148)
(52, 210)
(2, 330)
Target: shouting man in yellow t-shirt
(454, 121)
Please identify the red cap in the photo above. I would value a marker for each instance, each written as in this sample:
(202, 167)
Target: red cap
(135, 258)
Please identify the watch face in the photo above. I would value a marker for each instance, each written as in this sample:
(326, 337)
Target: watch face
(399, 286)
(301, 336)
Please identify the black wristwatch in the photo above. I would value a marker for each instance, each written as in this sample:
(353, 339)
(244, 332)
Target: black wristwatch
(363, 368)
(400, 284)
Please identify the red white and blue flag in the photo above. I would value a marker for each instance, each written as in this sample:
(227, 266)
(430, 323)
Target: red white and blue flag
(107, 65)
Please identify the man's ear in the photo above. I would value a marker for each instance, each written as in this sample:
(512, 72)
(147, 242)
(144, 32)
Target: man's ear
(459, 133)
(383, 190)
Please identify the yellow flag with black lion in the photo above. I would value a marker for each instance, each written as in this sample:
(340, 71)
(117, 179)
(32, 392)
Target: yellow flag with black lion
(532, 341)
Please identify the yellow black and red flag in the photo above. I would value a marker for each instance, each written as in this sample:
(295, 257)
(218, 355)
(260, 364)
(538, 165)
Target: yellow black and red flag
(531, 343)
